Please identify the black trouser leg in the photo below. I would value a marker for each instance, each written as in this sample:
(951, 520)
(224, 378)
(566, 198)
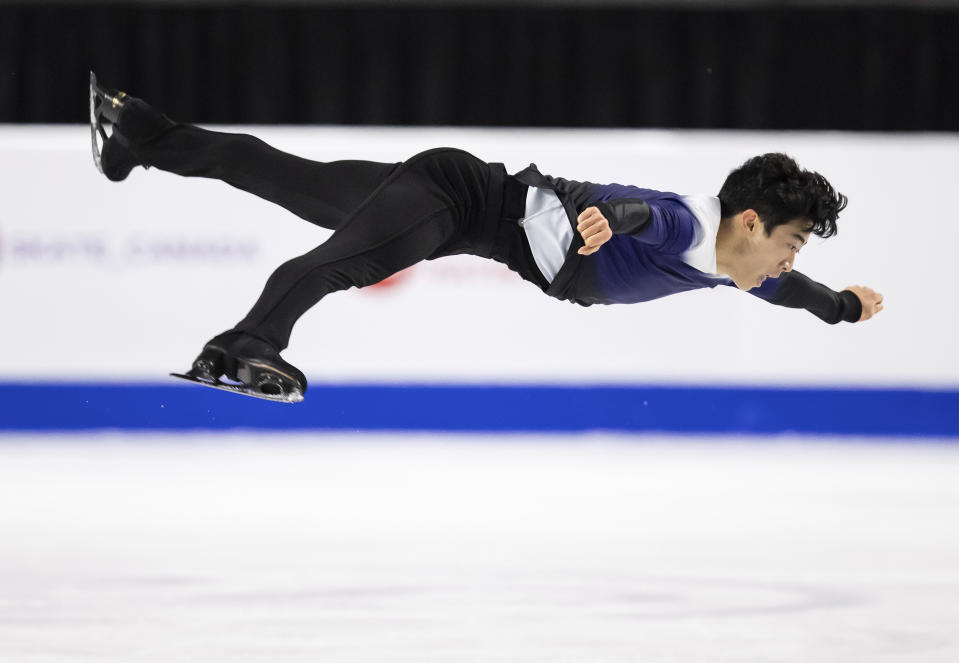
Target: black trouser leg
(386, 217)
(426, 203)
(322, 193)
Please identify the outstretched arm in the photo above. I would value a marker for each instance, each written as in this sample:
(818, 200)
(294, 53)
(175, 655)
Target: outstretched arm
(796, 290)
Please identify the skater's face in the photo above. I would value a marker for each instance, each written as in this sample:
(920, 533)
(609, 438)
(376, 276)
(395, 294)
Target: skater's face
(767, 256)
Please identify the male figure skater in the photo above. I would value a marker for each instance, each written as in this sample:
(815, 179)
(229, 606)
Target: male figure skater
(578, 241)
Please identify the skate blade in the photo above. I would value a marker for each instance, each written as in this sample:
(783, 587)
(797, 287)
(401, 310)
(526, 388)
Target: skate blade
(292, 397)
(94, 123)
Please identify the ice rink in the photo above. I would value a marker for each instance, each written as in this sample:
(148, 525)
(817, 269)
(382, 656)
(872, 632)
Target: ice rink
(481, 472)
(243, 547)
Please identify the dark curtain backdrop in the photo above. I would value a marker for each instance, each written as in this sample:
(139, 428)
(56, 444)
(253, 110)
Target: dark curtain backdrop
(874, 69)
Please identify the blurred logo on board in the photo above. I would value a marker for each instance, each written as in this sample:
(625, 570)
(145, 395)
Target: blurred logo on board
(391, 282)
(110, 251)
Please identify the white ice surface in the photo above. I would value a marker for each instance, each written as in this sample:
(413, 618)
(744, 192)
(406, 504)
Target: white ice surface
(269, 548)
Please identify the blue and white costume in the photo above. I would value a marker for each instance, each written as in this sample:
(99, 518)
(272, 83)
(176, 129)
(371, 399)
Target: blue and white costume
(670, 247)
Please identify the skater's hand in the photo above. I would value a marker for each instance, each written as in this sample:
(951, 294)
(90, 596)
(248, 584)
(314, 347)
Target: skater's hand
(594, 227)
(871, 300)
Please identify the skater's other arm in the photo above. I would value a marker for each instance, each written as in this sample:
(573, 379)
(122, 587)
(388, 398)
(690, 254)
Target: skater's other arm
(796, 290)
(594, 227)
(669, 227)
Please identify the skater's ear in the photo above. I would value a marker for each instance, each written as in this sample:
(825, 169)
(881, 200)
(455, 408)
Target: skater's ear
(749, 222)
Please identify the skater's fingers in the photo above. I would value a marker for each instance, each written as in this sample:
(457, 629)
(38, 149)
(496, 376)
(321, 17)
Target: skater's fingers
(588, 212)
(592, 224)
(595, 241)
(872, 301)
(596, 228)
(599, 238)
(589, 227)
(589, 217)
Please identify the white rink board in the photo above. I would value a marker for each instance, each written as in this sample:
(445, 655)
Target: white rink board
(126, 281)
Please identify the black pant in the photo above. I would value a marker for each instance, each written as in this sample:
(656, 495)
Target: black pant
(385, 217)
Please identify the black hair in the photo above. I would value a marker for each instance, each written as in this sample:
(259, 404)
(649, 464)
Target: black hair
(779, 191)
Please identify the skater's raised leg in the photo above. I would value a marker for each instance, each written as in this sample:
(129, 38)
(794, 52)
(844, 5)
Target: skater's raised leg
(322, 193)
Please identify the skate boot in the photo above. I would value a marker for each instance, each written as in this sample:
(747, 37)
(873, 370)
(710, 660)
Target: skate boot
(132, 122)
(249, 365)
(114, 159)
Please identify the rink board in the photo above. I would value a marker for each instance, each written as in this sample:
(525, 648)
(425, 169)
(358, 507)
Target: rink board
(106, 288)
(485, 408)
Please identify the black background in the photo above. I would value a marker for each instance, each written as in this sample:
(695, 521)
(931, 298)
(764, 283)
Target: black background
(892, 69)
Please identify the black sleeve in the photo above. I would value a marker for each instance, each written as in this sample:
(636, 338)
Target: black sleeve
(626, 216)
(796, 290)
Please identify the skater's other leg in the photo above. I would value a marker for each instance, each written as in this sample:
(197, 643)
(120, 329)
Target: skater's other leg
(431, 205)
(357, 255)
(297, 285)
(408, 219)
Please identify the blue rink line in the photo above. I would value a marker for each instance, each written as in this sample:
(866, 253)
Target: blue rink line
(486, 408)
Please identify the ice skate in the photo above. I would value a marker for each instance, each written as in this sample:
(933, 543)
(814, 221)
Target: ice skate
(111, 152)
(246, 365)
